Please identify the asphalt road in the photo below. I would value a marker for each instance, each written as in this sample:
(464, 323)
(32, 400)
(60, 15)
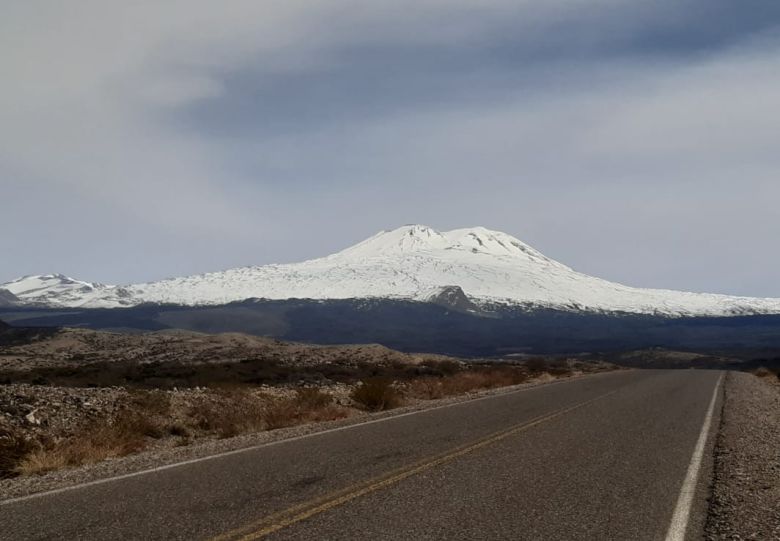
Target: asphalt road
(598, 458)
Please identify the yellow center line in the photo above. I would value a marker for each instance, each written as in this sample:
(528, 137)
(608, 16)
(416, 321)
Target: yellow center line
(292, 515)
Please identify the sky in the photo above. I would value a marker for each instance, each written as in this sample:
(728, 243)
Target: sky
(637, 142)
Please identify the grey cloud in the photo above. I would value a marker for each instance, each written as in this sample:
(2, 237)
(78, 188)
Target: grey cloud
(636, 143)
(362, 77)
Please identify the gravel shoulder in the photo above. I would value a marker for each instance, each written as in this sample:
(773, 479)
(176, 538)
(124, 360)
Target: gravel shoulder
(155, 458)
(745, 503)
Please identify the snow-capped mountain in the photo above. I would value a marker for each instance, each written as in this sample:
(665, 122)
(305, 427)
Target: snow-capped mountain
(57, 290)
(412, 262)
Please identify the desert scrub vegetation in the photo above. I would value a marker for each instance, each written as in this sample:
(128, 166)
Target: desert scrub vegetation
(14, 447)
(766, 373)
(56, 427)
(232, 412)
(151, 418)
(377, 394)
(93, 443)
(429, 388)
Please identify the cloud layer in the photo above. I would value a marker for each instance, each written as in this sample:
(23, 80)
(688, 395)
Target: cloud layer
(146, 139)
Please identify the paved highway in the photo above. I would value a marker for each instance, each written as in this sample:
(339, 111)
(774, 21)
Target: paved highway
(624, 456)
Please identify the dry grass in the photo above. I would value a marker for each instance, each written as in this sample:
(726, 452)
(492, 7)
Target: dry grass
(311, 398)
(230, 413)
(144, 417)
(764, 372)
(377, 394)
(431, 388)
(329, 413)
(148, 416)
(239, 411)
(126, 435)
(281, 413)
(13, 448)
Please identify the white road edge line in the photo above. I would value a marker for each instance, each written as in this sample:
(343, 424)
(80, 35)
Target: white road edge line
(682, 512)
(286, 440)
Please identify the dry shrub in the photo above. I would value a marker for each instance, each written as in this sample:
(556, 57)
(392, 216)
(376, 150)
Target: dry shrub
(764, 372)
(559, 369)
(281, 413)
(95, 442)
(536, 365)
(234, 412)
(308, 405)
(465, 382)
(42, 460)
(309, 398)
(179, 430)
(151, 402)
(376, 394)
(147, 414)
(443, 367)
(426, 388)
(229, 414)
(328, 413)
(13, 448)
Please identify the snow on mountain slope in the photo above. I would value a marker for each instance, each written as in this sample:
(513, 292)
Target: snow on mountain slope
(59, 290)
(411, 262)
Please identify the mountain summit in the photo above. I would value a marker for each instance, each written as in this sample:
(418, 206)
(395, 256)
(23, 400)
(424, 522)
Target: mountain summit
(420, 238)
(413, 262)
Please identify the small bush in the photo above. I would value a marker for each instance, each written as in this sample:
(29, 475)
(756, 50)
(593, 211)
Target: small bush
(281, 413)
(427, 388)
(559, 368)
(764, 372)
(151, 402)
(13, 448)
(536, 366)
(376, 394)
(328, 413)
(179, 430)
(228, 414)
(312, 398)
(442, 368)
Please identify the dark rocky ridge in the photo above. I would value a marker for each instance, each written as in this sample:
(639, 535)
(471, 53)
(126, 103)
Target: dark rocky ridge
(427, 327)
(454, 298)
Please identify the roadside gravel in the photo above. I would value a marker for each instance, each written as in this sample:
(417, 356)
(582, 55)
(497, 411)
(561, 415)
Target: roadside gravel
(745, 504)
(23, 486)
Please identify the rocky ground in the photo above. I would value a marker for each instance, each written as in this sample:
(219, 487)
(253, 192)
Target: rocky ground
(82, 347)
(746, 495)
(177, 359)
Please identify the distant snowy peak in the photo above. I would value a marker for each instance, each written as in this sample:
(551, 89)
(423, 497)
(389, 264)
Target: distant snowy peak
(60, 290)
(467, 268)
(8, 299)
(414, 239)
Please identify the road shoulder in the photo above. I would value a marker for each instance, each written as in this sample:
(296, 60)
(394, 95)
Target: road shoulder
(745, 502)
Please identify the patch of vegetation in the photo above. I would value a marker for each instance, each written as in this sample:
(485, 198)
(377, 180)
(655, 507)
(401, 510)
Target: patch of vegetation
(95, 442)
(377, 394)
(766, 373)
(13, 448)
(480, 378)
